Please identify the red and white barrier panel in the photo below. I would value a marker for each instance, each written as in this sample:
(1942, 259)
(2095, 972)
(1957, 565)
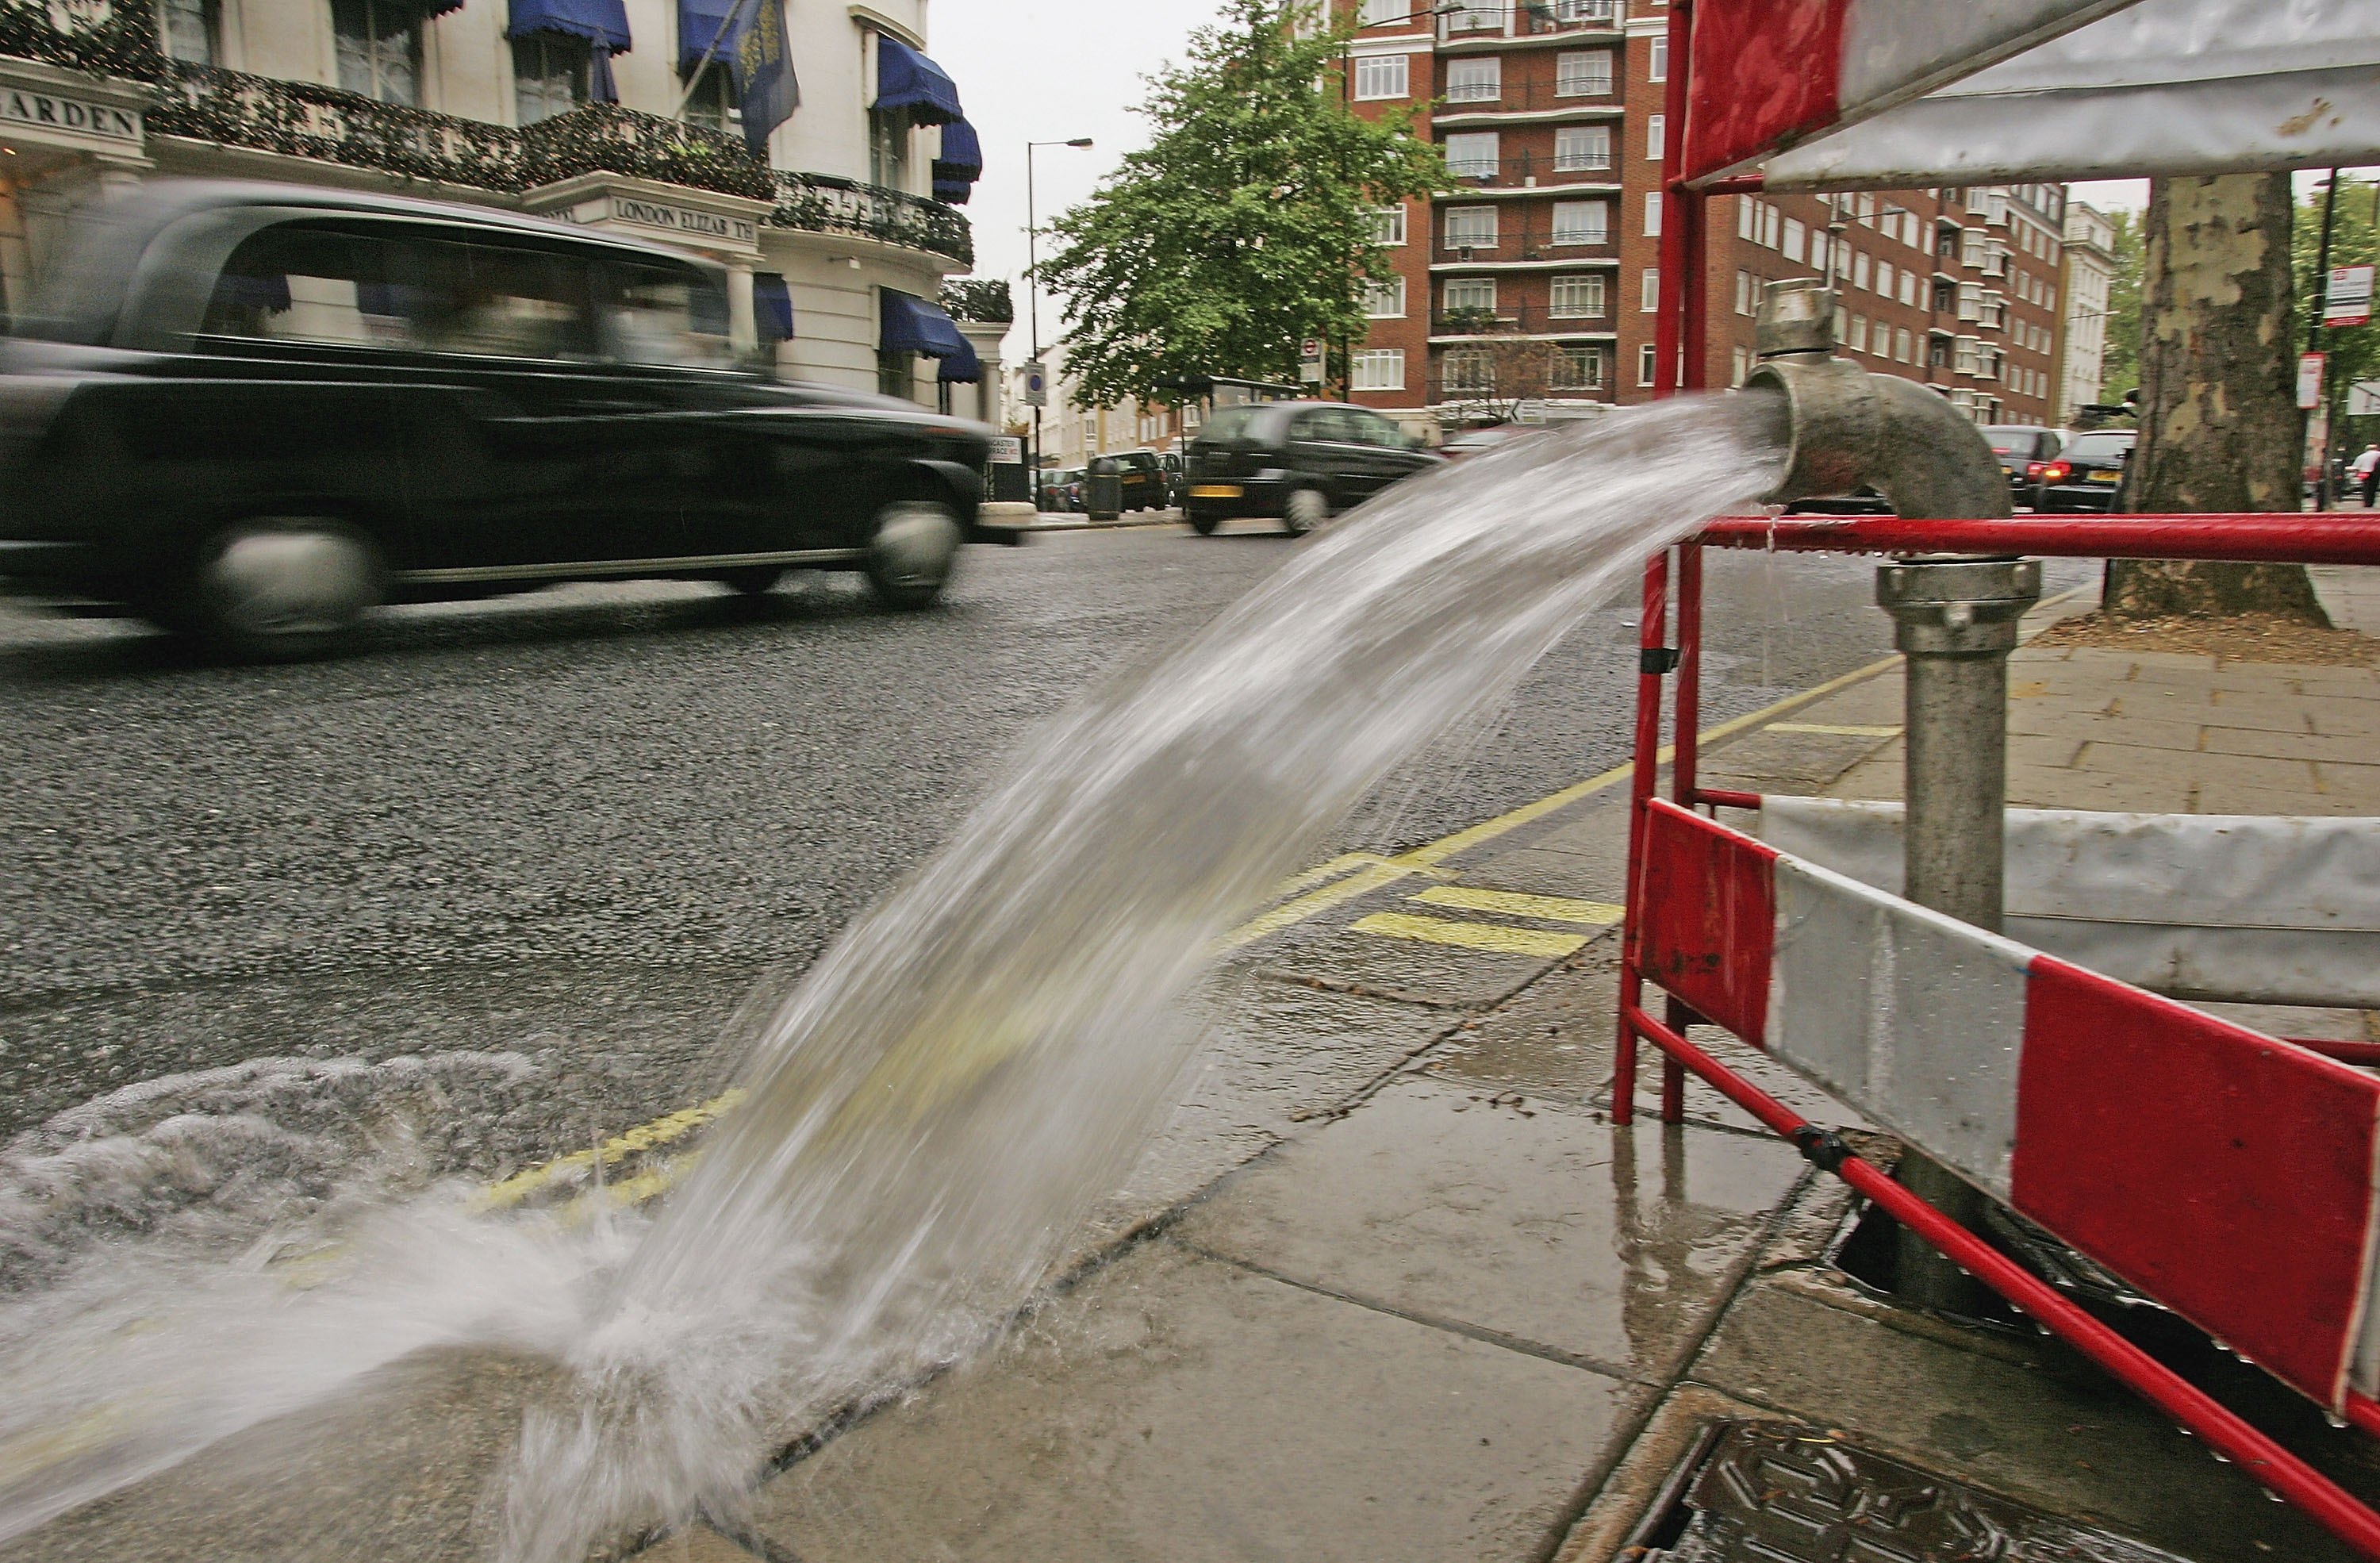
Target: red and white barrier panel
(2229, 1175)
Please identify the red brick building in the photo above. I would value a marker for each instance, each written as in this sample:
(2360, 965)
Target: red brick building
(1536, 280)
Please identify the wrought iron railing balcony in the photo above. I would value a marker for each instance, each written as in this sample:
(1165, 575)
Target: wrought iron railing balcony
(1461, 20)
(823, 203)
(301, 119)
(1528, 319)
(1593, 93)
(1529, 236)
(1583, 165)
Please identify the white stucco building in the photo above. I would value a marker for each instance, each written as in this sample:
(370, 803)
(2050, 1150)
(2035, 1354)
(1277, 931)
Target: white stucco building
(618, 114)
(2090, 266)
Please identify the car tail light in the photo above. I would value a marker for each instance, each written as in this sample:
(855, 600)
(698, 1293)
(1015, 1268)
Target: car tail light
(2036, 468)
(2054, 471)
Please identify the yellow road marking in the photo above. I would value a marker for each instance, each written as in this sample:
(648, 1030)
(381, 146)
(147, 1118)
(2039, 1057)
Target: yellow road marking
(1552, 908)
(1469, 936)
(644, 1137)
(1839, 730)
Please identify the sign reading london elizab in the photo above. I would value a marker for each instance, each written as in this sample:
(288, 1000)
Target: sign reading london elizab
(687, 222)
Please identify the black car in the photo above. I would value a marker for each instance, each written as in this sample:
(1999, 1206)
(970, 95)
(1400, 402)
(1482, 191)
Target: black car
(2024, 451)
(253, 412)
(1300, 461)
(2088, 474)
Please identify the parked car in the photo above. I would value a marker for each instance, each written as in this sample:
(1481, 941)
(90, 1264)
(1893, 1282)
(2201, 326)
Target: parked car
(2087, 474)
(1479, 442)
(2024, 451)
(1144, 481)
(1176, 484)
(1300, 461)
(1067, 492)
(253, 412)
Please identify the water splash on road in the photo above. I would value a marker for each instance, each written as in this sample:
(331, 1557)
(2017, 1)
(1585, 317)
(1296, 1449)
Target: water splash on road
(930, 1118)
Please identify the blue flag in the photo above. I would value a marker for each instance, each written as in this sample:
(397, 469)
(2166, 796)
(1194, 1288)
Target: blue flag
(750, 44)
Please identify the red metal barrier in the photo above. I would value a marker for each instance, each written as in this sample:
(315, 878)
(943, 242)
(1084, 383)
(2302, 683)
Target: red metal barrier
(2316, 539)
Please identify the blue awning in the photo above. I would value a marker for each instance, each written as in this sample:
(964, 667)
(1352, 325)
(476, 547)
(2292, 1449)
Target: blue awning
(908, 324)
(906, 79)
(699, 21)
(598, 21)
(772, 306)
(959, 165)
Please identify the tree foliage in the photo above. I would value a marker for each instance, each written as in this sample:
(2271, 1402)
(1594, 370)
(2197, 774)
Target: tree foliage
(2119, 370)
(2354, 350)
(1248, 224)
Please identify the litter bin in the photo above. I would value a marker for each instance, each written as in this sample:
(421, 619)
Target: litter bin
(1103, 490)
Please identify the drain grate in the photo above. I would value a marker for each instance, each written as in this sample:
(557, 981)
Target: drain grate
(1770, 1491)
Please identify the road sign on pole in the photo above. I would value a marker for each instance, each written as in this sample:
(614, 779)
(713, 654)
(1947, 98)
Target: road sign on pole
(2347, 300)
(1309, 353)
(2363, 399)
(2309, 380)
(1037, 385)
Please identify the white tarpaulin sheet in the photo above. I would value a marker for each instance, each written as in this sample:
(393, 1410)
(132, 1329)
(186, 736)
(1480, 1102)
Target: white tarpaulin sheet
(2247, 909)
(2161, 87)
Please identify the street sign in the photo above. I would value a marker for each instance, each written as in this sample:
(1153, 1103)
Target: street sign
(2309, 380)
(2363, 399)
(2347, 300)
(1310, 350)
(1006, 448)
(1037, 385)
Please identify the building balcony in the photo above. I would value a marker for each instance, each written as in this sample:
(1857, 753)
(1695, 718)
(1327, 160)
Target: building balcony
(303, 119)
(1517, 171)
(1528, 242)
(1492, 22)
(1593, 97)
(1518, 320)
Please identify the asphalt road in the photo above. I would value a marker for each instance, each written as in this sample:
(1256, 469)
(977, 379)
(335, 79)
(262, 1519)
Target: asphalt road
(580, 825)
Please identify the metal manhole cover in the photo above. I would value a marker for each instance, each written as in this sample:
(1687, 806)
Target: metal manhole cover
(1769, 1492)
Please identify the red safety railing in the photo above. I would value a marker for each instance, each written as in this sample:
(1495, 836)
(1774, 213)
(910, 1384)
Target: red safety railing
(1680, 365)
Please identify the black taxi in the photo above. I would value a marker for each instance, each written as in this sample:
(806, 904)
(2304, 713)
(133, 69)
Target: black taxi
(253, 412)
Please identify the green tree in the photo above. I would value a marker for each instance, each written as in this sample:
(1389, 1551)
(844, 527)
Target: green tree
(2354, 350)
(1248, 226)
(2121, 371)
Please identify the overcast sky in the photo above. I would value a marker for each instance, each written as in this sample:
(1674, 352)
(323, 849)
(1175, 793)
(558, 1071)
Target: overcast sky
(1050, 70)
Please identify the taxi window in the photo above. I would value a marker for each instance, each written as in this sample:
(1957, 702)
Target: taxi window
(501, 302)
(293, 284)
(666, 317)
(1373, 429)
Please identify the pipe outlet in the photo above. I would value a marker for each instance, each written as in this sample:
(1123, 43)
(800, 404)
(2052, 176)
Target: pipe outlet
(1848, 429)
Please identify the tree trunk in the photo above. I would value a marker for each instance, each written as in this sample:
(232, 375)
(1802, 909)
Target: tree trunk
(2220, 430)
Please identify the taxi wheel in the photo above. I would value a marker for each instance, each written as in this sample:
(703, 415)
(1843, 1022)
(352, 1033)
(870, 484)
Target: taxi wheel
(281, 587)
(1305, 510)
(914, 551)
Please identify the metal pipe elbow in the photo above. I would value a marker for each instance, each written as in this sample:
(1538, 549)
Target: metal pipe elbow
(1848, 429)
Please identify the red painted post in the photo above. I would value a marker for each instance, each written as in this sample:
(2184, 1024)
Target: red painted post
(1652, 626)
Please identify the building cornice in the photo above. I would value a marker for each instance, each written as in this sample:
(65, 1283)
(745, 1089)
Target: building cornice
(1460, 118)
(868, 16)
(1570, 264)
(1516, 192)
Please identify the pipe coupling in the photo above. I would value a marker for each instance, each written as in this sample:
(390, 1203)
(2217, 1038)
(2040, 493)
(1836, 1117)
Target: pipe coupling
(1956, 607)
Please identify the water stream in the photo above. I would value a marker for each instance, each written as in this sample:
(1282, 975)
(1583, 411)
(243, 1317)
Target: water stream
(930, 1117)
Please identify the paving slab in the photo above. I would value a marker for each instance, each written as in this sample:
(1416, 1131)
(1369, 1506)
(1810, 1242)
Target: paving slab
(396, 1468)
(2075, 1443)
(1178, 1409)
(1544, 1227)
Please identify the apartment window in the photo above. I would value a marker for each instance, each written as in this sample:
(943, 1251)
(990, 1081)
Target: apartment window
(1971, 301)
(1379, 13)
(1867, 210)
(1581, 148)
(1581, 221)
(1577, 368)
(1908, 288)
(1884, 277)
(2049, 299)
(1747, 294)
(1659, 69)
(1476, 81)
(1859, 334)
(1388, 225)
(1946, 297)
(1576, 298)
(1587, 10)
(1739, 363)
(1968, 357)
(1471, 226)
(1772, 227)
(1796, 239)
(379, 48)
(1583, 73)
(1474, 17)
(1747, 217)
(1648, 360)
(1656, 135)
(1472, 154)
(896, 376)
(1380, 76)
(1818, 245)
(1649, 298)
(190, 29)
(1378, 369)
(1466, 293)
(1842, 324)
(1652, 215)
(1468, 369)
(549, 75)
(1385, 300)
(1901, 345)
(1859, 269)
(1937, 352)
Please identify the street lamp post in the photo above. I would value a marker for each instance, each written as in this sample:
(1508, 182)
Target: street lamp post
(1033, 295)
